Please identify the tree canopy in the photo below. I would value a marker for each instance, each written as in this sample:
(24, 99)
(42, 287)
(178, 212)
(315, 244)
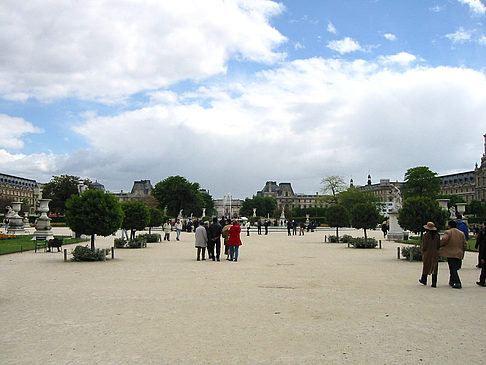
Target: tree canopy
(176, 193)
(264, 206)
(418, 210)
(60, 189)
(331, 187)
(420, 181)
(94, 212)
(353, 196)
(365, 216)
(136, 216)
(337, 216)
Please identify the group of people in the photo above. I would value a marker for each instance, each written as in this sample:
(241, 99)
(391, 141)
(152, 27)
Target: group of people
(451, 246)
(209, 236)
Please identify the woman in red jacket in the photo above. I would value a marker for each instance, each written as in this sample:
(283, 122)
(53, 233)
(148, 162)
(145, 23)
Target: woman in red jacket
(234, 241)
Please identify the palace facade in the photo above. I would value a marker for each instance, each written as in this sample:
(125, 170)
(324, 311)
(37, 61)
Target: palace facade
(285, 196)
(17, 189)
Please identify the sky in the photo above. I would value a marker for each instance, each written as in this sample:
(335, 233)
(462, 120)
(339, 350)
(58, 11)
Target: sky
(231, 94)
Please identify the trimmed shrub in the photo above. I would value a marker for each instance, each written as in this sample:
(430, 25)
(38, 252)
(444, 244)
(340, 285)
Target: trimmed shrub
(361, 242)
(417, 252)
(152, 237)
(84, 253)
(346, 238)
(119, 242)
(332, 239)
(137, 242)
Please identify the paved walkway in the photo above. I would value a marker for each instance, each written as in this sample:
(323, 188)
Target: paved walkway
(289, 300)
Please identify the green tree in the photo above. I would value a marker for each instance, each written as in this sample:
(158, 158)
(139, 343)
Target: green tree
(208, 203)
(94, 212)
(353, 196)
(337, 216)
(420, 181)
(365, 216)
(418, 210)
(264, 206)
(476, 207)
(331, 187)
(60, 189)
(176, 193)
(136, 216)
(156, 218)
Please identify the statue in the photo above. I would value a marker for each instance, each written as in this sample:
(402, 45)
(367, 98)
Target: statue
(452, 210)
(254, 212)
(396, 195)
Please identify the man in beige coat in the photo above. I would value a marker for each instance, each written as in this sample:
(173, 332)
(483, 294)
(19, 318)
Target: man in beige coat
(452, 245)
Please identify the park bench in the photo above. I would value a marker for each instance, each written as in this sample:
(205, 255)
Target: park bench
(40, 243)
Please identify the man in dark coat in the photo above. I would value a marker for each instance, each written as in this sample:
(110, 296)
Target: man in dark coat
(214, 239)
(481, 244)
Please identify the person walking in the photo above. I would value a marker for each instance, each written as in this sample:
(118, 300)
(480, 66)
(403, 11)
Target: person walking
(266, 226)
(430, 254)
(167, 227)
(178, 228)
(294, 227)
(302, 229)
(234, 241)
(214, 239)
(248, 226)
(452, 246)
(481, 245)
(384, 228)
(289, 228)
(225, 234)
(201, 242)
(259, 227)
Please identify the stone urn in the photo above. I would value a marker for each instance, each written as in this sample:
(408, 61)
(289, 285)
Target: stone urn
(16, 223)
(43, 229)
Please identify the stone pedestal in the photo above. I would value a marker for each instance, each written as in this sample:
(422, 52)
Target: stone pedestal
(26, 220)
(16, 222)
(43, 229)
(396, 232)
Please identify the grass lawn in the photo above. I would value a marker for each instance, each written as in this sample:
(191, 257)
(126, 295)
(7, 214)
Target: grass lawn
(25, 243)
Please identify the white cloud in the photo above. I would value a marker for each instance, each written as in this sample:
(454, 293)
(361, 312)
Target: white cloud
(331, 28)
(402, 58)
(459, 36)
(106, 50)
(13, 129)
(307, 119)
(482, 40)
(390, 36)
(345, 45)
(476, 6)
(299, 122)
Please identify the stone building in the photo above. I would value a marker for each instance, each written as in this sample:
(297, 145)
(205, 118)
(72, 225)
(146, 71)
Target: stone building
(17, 188)
(386, 192)
(227, 207)
(470, 185)
(285, 196)
(140, 190)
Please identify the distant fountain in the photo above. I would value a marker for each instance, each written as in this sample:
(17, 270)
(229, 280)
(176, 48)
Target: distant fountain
(43, 229)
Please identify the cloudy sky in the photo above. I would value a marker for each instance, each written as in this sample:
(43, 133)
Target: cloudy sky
(232, 93)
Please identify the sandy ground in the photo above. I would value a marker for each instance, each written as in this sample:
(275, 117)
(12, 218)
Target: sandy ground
(289, 300)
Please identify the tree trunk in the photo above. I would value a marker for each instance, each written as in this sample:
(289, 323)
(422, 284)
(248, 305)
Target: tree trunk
(150, 230)
(366, 237)
(92, 242)
(337, 233)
